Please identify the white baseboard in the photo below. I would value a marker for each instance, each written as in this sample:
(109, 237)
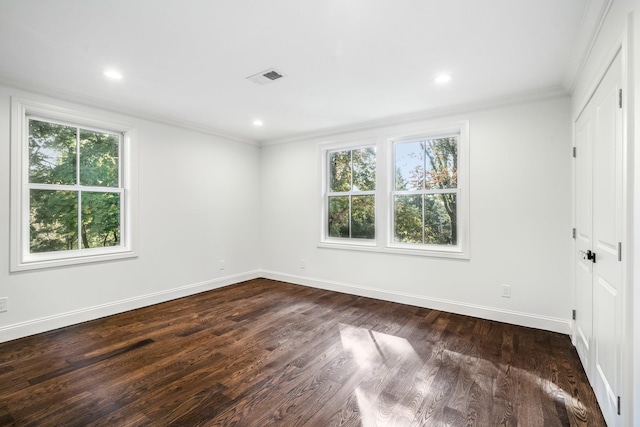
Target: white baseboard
(490, 313)
(36, 326)
(19, 330)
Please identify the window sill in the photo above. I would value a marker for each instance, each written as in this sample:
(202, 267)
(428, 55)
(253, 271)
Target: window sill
(451, 253)
(351, 244)
(43, 262)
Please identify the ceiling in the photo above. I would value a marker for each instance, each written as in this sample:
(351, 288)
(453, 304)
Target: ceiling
(347, 62)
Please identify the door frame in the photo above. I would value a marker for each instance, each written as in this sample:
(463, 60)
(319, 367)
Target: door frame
(625, 49)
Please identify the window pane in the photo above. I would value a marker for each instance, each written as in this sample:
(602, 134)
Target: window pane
(339, 216)
(99, 155)
(363, 223)
(409, 165)
(53, 220)
(440, 219)
(100, 219)
(441, 162)
(52, 153)
(340, 171)
(364, 169)
(408, 219)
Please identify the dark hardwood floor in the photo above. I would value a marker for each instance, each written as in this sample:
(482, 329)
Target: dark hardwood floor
(266, 353)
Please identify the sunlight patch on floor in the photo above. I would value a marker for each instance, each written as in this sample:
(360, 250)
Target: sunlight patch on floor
(371, 348)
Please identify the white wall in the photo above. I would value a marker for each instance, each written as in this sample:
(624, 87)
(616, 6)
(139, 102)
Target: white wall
(632, 364)
(623, 19)
(198, 203)
(520, 175)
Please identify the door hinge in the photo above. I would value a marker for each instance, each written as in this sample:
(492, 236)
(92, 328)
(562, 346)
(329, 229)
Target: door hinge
(619, 251)
(618, 405)
(574, 233)
(619, 98)
(573, 314)
(574, 151)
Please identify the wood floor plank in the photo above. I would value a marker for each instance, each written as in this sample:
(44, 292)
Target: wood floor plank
(268, 353)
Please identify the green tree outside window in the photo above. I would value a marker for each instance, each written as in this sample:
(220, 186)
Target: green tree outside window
(74, 188)
(426, 191)
(351, 198)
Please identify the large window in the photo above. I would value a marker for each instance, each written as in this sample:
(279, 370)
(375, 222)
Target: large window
(404, 194)
(425, 197)
(351, 193)
(72, 188)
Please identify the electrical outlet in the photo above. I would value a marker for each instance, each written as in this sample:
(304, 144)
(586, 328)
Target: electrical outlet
(506, 291)
(303, 264)
(221, 264)
(3, 304)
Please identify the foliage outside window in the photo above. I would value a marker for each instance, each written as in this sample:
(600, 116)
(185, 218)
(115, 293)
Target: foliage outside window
(73, 187)
(351, 193)
(425, 197)
(75, 196)
(402, 194)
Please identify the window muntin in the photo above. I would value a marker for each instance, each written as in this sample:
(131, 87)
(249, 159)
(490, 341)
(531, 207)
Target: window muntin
(75, 196)
(420, 199)
(73, 187)
(425, 196)
(350, 198)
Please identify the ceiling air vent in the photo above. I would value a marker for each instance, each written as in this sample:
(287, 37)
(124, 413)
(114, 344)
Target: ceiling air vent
(266, 76)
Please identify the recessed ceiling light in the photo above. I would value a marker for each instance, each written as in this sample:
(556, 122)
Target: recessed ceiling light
(258, 123)
(443, 78)
(113, 74)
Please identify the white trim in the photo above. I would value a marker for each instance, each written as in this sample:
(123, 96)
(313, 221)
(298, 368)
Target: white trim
(44, 324)
(631, 382)
(504, 101)
(595, 82)
(120, 109)
(36, 326)
(437, 113)
(451, 252)
(627, 358)
(20, 258)
(323, 152)
(385, 176)
(489, 313)
(544, 94)
(461, 249)
(623, 46)
(593, 19)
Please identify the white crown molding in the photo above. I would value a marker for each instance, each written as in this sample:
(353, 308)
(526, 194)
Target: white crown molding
(563, 326)
(119, 109)
(520, 98)
(593, 18)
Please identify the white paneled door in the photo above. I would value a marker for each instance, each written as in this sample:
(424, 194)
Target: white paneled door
(584, 242)
(598, 266)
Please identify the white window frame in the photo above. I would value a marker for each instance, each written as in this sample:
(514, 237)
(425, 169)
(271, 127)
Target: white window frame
(21, 257)
(461, 249)
(385, 186)
(326, 150)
